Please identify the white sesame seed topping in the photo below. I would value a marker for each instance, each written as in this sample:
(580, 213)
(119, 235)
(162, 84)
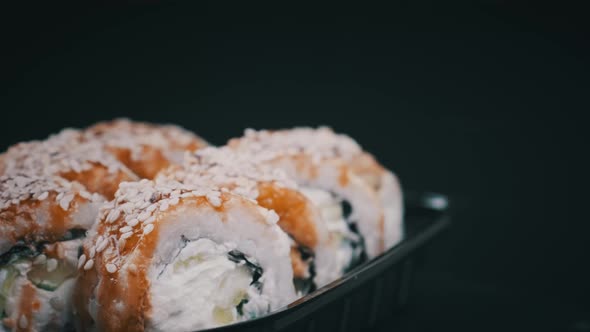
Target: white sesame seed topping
(133, 136)
(133, 222)
(81, 260)
(43, 196)
(113, 215)
(126, 235)
(86, 195)
(224, 169)
(130, 202)
(111, 268)
(319, 143)
(92, 252)
(102, 245)
(143, 216)
(164, 206)
(66, 151)
(64, 203)
(89, 264)
(148, 229)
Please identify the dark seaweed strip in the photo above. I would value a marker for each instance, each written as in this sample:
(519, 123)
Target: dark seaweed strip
(74, 233)
(346, 209)
(305, 253)
(237, 256)
(16, 252)
(240, 306)
(357, 245)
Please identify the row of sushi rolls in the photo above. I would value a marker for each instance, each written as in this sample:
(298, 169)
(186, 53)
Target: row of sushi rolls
(132, 226)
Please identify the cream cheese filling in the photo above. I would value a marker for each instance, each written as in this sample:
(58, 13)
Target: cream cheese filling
(201, 288)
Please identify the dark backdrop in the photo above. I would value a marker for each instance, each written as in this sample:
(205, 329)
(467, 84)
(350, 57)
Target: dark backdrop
(477, 101)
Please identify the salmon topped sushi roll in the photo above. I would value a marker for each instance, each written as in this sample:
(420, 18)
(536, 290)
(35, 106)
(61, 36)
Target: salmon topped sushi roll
(313, 250)
(167, 256)
(42, 222)
(144, 147)
(335, 171)
(69, 155)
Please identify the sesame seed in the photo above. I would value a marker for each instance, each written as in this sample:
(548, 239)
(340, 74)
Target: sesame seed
(215, 170)
(111, 268)
(86, 195)
(65, 201)
(81, 260)
(89, 264)
(113, 215)
(43, 196)
(148, 229)
(143, 216)
(133, 222)
(127, 235)
(103, 244)
(92, 252)
(317, 143)
(215, 200)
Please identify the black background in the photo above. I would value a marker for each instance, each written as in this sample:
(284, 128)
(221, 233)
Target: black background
(478, 101)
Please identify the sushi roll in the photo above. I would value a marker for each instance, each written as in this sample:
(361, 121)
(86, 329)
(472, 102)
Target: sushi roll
(337, 174)
(143, 147)
(42, 221)
(71, 156)
(168, 256)
(314, 253)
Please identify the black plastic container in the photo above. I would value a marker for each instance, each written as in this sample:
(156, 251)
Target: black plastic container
(368, 293)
